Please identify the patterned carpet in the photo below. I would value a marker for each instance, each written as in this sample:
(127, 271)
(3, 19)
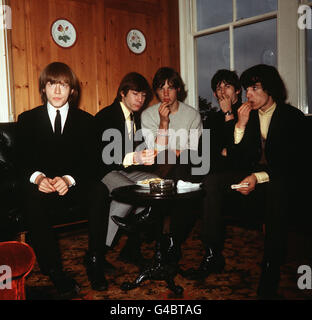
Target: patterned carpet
(243, 252)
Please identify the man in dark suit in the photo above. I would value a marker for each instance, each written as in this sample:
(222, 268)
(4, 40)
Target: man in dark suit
(226, 88)
(269, 149)
(124, 162)
(56, 150)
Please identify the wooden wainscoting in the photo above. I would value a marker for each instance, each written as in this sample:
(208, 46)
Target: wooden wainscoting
(100, 57)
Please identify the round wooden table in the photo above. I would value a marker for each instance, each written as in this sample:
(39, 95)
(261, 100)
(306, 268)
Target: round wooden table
(137, 195)
(160, 269)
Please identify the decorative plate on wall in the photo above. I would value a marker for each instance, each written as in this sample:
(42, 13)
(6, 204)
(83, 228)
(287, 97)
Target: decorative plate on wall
(136, 41)
(63, 33)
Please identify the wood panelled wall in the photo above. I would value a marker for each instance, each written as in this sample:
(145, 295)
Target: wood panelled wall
(100, 57)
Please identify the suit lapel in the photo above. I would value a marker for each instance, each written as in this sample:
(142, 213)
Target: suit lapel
(68, 125)
(128, 145)
(44, 122)
(120, 121)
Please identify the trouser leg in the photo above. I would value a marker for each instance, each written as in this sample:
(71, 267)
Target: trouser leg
(116, 209)
(217, 187)
(97, 206)
(38, 215)
(275, 245)
(116, 179)
(275, 242)
(182, 217)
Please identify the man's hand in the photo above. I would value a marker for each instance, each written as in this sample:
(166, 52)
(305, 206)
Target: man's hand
(44, 184)
(61, 185)
(164, 112)
(145, 157)
(243, 115)
(252, 181)
(225, 102)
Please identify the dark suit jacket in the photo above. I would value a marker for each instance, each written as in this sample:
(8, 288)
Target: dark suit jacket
(285, 149)
(112, 117)
(221, 136)
(74, 153)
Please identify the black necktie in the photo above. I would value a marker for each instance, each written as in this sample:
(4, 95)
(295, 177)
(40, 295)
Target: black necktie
(57, 124)
(132, 126)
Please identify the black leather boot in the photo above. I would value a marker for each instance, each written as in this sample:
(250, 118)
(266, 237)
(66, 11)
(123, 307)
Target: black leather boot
(132, 222)
(213, 262)
(95, 270)
(269, 281)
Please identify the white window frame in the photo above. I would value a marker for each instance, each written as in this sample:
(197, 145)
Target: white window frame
(6, 102)
(290, 48)
(302, 63)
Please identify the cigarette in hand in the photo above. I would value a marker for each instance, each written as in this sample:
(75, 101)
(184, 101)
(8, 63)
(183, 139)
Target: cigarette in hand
(241, 185)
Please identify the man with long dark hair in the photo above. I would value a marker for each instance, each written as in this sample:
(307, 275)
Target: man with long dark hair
(163, 121)
(269, 148)
(226, 88)
(56, 150)
(174, 129)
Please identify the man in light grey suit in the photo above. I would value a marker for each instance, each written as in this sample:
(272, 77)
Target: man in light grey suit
(122, 164)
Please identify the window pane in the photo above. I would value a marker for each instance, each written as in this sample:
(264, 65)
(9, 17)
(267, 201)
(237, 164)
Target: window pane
(309, 68)
(254, 8)
(254, 44)
(213, 53)
(211, 13)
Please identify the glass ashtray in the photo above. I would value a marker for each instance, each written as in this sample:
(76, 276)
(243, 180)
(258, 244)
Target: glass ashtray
(162, 186)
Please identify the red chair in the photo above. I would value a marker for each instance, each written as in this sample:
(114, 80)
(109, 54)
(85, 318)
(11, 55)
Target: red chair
(20, 258)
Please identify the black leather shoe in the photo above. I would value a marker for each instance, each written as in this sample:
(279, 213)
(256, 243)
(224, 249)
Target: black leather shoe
(95, 271)
(269, 281)
(66, 287)
(211, 263)
(132, 222)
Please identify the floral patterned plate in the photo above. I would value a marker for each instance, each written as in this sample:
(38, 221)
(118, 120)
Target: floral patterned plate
(136, 41)
(63, 33)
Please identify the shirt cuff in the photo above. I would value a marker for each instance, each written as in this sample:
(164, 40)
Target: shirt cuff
(71, 180)
(262, 177)
(161, 147)
(128, 160)
(238, 135)
(34, 176)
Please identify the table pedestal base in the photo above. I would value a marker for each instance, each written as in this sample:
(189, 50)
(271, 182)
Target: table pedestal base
(164, 267)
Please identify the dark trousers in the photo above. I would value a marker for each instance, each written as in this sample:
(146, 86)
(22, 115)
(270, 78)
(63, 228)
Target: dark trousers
(271, 196)
(41, 209)
(183, 213)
